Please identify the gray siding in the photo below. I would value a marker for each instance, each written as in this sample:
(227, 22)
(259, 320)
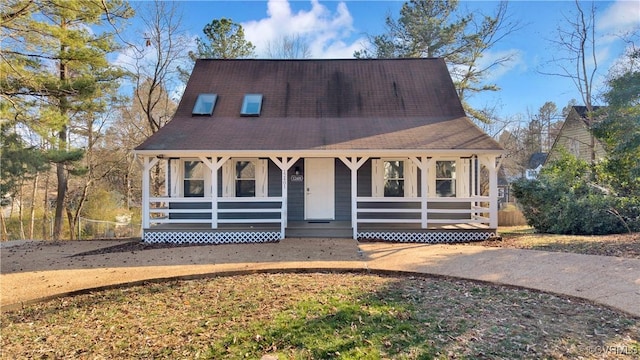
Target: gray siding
(342, 191)
(364, 179)
(274, 179)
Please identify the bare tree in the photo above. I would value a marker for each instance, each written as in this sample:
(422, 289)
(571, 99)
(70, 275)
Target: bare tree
(156, 58)
(156, 69)
(576, 59)
(288, 47)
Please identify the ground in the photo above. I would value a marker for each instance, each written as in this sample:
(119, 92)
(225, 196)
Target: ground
(324, 315)
(621, 245)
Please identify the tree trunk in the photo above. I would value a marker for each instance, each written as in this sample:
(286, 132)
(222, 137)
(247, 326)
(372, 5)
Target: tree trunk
(3, 235)
(20, 213)
(62, 188)
(45, 215)
(32, 211)
(71, 222)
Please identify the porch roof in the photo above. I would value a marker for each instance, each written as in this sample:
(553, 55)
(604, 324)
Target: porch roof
(323, 105)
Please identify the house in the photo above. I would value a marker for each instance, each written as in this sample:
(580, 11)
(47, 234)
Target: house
(260, 150)
(536, 161)
(575, 137)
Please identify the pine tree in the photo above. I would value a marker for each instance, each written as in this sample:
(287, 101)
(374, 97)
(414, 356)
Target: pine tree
(55, 71)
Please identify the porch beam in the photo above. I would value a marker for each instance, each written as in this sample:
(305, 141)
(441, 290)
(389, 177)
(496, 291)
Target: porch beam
(354, 164)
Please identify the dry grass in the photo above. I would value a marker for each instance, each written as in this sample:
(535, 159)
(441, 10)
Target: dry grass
(522, 237)
(319, 316)
(322, 316)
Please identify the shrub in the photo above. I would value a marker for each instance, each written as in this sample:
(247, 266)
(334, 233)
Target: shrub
(564, 201)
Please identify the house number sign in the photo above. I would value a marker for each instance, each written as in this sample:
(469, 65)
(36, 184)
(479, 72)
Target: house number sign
(297, 178)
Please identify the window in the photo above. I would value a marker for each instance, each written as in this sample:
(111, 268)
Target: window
(251, 105)
(245, 179)
(204, 104)
(394, 178)
(193, 179)
(446, 178)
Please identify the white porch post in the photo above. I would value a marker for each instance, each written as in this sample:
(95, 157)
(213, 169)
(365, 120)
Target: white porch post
(284, 163)
(354, 164)
(148, 163)
(214, 165)
(423, 164)
(492, 166)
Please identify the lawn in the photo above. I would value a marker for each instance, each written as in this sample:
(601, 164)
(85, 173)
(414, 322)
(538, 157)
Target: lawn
(622, 245)
(326, 316)
(319, 316)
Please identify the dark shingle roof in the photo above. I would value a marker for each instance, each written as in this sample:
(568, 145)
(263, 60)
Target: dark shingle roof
(323, 104)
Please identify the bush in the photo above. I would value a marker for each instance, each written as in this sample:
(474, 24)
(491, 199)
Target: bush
(564, 201)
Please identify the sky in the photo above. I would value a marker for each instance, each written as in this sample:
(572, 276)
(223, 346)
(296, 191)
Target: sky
(335, 29)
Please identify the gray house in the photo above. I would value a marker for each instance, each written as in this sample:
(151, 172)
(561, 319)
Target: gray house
(260, 150)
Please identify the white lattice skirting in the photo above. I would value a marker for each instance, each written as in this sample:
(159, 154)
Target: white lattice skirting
(209, 237)
(439, 237)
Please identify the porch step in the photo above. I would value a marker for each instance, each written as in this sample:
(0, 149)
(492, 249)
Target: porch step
(331, 229)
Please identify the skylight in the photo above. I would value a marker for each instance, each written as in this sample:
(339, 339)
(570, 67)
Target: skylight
(251, 105)
(204, 104)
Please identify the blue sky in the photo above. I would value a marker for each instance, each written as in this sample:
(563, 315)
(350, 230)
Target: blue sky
(335, 29)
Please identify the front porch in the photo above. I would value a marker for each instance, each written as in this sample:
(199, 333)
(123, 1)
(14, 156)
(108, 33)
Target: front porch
(355, 207)
(234, 233)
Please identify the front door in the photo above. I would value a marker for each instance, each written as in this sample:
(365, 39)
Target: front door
(319, 184)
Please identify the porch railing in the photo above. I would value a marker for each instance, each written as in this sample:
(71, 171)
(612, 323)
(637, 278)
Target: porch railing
(265, 210)
(191, 210)
(439, 210)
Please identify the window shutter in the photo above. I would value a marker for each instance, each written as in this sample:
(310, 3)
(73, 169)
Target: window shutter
(462, 179)
(410, 179)
(377, 178)
(262, 183)
(174, 180)
(207, 181)
(228, 179)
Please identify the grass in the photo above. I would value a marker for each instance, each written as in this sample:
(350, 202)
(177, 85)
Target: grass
(327, 316)
(621, 245)
(318, 316)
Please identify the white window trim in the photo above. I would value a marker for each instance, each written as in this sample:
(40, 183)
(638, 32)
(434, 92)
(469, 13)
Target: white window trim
(410, 177)
(178, 187)
(229, 176)
(463, 169)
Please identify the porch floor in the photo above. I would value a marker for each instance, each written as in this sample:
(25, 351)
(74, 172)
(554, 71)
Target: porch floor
(313, 224)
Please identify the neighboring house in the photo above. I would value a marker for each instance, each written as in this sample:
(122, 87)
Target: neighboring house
(259, 150)
(536, 161)
(504, 192)
(575, 137)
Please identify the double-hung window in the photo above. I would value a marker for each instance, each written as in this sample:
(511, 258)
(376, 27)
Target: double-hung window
(245, 178)
(446, 178)
(393, 178)
(193, 179)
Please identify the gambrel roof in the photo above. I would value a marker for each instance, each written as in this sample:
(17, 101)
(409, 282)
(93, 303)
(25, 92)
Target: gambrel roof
(351, 104)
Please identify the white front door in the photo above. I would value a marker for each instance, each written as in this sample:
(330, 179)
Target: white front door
(319, 184)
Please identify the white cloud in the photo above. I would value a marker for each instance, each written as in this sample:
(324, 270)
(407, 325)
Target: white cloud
(620, 17)
(515, 62)
(328, 34)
